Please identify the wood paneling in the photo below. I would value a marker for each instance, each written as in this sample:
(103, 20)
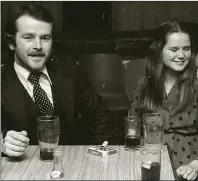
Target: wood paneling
(129, 16)
(126, 16)
(161, 14)
(175, 10)
(148, 18)
(4, 12)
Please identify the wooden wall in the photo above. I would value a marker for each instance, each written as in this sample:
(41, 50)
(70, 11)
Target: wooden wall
(134, 15)
(126, 15)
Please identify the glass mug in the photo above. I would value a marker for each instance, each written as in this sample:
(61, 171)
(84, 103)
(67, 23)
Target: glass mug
(150, 164)
(153, 130)
(48, 132)
(132, 132)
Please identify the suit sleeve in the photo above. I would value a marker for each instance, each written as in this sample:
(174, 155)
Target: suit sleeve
(3, 117)
(4, 128)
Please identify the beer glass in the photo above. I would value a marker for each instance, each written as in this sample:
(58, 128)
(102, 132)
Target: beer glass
(150, 164)
(48, 131)
(132, 132)
(153, 130)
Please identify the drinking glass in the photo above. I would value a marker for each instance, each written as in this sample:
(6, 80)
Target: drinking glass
(150, 164)
(48, 132)
(153, 130)
(132, 132)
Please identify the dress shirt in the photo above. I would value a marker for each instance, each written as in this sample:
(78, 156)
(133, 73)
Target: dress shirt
(44, 81)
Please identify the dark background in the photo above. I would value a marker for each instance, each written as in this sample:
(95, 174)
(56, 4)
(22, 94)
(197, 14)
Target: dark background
(87, 16)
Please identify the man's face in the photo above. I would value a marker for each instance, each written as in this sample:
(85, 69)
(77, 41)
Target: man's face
(33, 42)
(177, 52)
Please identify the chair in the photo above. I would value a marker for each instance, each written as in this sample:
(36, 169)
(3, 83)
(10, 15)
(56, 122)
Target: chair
(107, 74)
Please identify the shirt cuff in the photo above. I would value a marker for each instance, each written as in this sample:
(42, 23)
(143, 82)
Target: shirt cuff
(2, 150)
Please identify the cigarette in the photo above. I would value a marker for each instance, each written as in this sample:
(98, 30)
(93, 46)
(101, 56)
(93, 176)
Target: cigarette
(104, 145)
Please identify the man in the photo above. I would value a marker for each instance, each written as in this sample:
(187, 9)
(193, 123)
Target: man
(67, 94)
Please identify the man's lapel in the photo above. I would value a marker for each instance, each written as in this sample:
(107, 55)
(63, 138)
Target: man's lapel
(63, 92)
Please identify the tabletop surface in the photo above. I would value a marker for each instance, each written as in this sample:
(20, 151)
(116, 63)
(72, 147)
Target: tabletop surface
(78, 164)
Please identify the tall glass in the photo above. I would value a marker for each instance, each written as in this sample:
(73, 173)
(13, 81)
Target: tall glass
(132, 132)
(150, 164)
(48, 132)
(153, 130)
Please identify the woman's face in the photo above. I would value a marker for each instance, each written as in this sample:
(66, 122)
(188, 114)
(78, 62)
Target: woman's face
(177, 51)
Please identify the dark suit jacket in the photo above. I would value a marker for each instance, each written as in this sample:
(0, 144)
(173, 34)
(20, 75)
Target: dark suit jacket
(82, 112)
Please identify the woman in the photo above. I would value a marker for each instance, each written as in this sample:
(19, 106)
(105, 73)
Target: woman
(169, 87)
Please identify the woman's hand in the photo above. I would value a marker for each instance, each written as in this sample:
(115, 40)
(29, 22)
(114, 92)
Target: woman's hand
(189, 171)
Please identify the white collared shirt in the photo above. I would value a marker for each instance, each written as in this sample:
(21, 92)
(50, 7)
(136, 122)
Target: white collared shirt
(44, 81)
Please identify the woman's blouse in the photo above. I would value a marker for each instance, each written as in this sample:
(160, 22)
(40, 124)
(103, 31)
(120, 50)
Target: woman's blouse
(180, 121)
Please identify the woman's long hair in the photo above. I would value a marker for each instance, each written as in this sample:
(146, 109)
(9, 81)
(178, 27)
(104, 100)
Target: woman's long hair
(153, 91)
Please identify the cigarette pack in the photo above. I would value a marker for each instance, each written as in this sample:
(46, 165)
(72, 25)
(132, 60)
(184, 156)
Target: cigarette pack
(96, 150)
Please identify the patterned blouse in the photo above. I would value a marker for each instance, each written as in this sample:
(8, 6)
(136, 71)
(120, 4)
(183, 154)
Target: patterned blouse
(181, 127)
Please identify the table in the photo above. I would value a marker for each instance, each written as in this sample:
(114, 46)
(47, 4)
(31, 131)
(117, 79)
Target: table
(78, 164)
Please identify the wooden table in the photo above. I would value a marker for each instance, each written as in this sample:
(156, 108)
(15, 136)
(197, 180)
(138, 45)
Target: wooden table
(80, 165)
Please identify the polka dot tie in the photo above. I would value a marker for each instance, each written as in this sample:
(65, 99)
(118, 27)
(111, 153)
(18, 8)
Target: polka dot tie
(40, 97)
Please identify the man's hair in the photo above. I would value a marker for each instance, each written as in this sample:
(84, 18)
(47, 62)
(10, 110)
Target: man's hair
(18, 9)
(152, 94)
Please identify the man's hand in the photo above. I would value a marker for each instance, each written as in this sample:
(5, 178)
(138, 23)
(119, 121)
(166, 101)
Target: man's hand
(187, 172)
(15, 143)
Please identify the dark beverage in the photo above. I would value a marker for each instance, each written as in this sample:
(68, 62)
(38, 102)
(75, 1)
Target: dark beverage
(152, 173)
(132, 142)
(46, 154)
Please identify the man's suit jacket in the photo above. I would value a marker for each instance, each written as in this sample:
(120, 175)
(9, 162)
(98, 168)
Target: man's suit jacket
(83, 113)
